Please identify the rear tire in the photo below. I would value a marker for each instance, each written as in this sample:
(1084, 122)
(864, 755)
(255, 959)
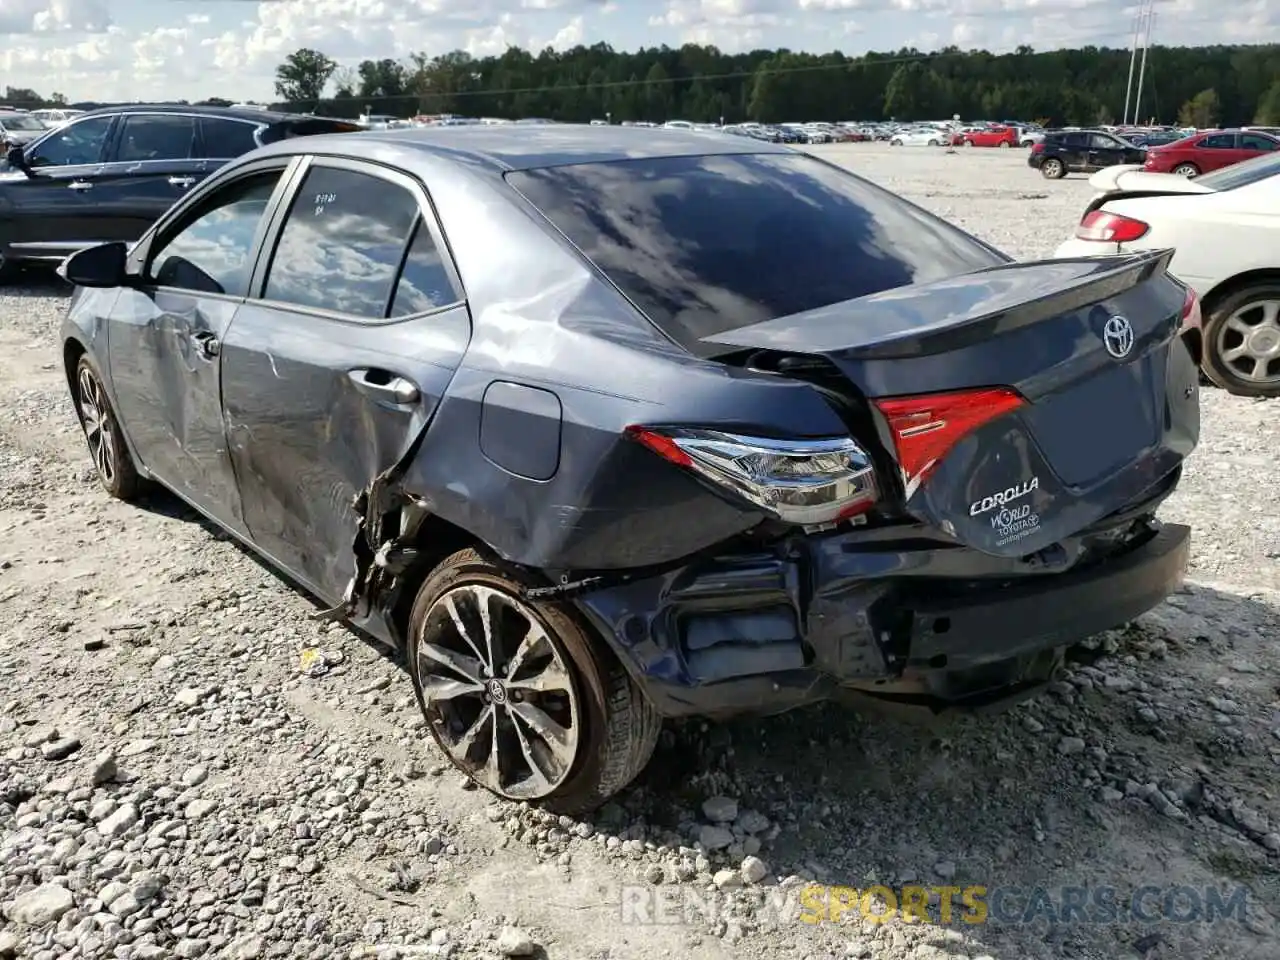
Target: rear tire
(966, 143)
(543, 667)
(111, 458)
(1004, 144)
(1187, 170)
(1053, 169)
(933, 143)
(895, 143)
(1240, 333)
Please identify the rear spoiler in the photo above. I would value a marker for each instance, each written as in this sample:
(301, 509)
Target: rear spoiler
(949, 314)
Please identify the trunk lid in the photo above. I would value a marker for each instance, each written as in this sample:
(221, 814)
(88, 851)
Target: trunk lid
(1101, 427)
(1132, 178)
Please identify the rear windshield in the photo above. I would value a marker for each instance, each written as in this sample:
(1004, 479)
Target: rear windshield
(1242, 174)
(714, 243)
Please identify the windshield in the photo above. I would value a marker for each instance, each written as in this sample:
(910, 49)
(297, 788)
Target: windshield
(21, 123)
(1242, 174)
(703, 245)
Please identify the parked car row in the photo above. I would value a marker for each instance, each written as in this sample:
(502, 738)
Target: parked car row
(787, 439)
(1088, 151)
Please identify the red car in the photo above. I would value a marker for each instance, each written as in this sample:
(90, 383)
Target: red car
(1213, 150)
(990, 137)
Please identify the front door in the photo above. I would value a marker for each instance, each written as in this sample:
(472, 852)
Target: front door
(1104, 151)
(152, 162)
(335, 371)
(165, 341)
(54, 207)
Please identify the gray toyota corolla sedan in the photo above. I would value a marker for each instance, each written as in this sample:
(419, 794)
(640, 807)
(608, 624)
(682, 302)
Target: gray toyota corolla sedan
(607, 425)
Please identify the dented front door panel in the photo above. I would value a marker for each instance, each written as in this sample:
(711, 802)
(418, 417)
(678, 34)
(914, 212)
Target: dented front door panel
(164, 356)
(316, 408)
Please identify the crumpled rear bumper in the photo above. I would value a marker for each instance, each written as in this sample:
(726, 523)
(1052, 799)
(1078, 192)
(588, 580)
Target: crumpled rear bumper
(914, 622)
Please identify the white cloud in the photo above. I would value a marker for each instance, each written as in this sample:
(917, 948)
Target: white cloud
(154, 49)
(53, 16)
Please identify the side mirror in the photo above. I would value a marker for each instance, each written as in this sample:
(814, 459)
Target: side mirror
(100, 266)
(17, 159)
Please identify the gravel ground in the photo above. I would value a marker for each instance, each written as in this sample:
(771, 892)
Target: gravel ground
(172, 786)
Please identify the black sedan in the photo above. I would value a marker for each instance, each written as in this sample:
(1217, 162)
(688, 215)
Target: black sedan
(110, 173)
(607, 425)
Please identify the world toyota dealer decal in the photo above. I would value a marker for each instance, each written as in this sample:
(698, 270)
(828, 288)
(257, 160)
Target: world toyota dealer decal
(1012, 520)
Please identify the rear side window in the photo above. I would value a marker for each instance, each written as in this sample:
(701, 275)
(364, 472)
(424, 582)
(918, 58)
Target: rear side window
(708, 244)
(226, 139)
(424, 282)
(342, 243)
(155, 137)
(1075, 140)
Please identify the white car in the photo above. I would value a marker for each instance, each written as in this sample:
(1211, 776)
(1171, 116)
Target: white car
(918, 137)
(1225, 229)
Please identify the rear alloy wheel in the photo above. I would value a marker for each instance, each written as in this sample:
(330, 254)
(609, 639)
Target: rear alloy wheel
(1053, 169)
(111, 458)
(519, 696)
(967, 143)
(1187, 170)
(1242, 342)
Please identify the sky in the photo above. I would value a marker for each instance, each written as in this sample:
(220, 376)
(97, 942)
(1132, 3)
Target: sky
(192, 49)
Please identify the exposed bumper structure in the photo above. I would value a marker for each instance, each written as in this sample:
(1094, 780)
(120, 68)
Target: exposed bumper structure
(899, 620)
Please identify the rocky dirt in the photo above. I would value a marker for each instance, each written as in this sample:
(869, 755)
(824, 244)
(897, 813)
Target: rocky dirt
(171, 785)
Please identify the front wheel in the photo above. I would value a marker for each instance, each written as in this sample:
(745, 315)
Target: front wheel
(1027, 143)
(967, 143)
(933, 143)
(895, 143)
(519, 695)
(111, 459)
(1004, 144)
(1053, 169)
(1187, 170)
(1242, 342)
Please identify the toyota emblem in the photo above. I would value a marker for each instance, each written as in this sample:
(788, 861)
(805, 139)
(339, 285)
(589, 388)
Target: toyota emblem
(1117, 337)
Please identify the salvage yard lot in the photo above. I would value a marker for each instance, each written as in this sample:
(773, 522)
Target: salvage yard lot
(260, 812)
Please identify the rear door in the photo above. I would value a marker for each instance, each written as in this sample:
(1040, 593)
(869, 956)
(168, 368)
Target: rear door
(1075, 151)
(336, 366)
(53, 211)
(153, 161)
(1215, 151)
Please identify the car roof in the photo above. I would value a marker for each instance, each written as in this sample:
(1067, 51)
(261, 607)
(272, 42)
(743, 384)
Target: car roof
(507, 147)
(231, 113)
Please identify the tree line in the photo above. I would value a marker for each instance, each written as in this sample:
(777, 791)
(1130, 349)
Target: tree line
(1196, 86)
(1200, 86)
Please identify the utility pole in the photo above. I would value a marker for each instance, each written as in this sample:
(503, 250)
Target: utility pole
(1133, 58)
(1142, 69)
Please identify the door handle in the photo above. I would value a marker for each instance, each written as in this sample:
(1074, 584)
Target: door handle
(182, 181)
(79, 185)
(206, 344)
(385, 385)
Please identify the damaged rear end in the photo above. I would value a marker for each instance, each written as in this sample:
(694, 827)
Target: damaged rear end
(1009, 435)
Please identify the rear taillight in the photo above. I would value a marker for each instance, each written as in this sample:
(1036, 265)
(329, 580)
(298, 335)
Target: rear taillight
(1037, 148)
(1190, 310)
(1110, 227)
(926, 428)
(805, 482)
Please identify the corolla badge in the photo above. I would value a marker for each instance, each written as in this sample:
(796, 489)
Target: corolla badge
(1117, 337)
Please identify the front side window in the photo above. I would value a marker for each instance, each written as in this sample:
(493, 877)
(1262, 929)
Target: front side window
(214, 252)
(146, 137)
(77, 143)
(703, 245)
(1219, 141)
(1253, 141)
(342, 243)
(1099, 141)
